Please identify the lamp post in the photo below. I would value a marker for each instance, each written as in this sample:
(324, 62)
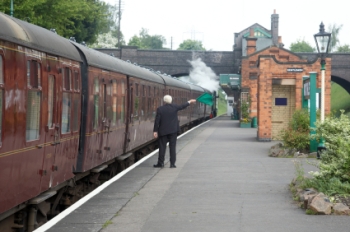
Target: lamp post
(323, 40)
(11, 9)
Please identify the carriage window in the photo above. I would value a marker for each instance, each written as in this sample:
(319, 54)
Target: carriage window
(33, 100)
(66, 104)
(67, 79)
(96, 101)
(76, 81)
(123, 87)
(109, 102)
(69, 102)
(1, 100)
(143, 90)
(33, 74)
(1, 71)
(114, 110)
(122, 109)
(51, 83)
(114, 101)
(115, 86)
(136, 89)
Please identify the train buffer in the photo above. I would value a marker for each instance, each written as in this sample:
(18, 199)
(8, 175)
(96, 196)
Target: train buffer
(224, 181)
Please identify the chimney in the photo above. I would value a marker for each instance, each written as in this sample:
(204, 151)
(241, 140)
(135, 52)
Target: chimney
(274, 28)
(251, 42)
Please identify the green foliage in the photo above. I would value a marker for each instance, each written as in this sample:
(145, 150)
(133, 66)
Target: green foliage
(245, 112)
(344, 48)
(189, 44)
(335, 161)
(82, 19)
(297, 134)
(301, 46)
(146, 41)
(333, 177)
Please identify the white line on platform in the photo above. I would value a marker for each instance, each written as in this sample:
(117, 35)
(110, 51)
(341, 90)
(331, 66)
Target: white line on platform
(79, 203)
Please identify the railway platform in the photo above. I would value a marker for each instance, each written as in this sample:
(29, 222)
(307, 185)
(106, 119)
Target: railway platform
(224, 181)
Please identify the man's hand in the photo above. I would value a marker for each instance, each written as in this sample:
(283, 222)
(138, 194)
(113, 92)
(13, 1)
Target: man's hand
(155, 134)
(192, 101)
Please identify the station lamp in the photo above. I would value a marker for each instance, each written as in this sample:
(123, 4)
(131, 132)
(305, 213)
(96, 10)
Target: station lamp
(322, 40)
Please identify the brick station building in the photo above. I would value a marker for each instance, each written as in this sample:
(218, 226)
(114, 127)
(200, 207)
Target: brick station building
(272, 81)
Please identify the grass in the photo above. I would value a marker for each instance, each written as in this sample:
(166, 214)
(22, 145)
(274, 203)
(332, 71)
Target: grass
(340, 99)
(107, 223)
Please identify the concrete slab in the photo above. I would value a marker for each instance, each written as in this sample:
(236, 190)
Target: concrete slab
(224, 181)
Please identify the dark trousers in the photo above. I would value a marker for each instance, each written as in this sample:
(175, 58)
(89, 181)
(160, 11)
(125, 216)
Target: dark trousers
(162, 141)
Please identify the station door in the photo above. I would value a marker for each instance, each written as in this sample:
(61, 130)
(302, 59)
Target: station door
(283, 107)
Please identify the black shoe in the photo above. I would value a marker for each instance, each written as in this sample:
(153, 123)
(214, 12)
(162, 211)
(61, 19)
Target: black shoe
(172, 166)
(158, 165)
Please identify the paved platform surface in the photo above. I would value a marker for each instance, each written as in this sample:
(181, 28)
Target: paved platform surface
(224, 181)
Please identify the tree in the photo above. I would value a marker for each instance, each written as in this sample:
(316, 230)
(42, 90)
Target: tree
(334, 29)
(146, 41)
(301, 46)
(191, 45)
(82, 19)
(344, 48)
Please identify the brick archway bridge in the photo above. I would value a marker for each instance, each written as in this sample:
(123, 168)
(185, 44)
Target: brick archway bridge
(176, 63)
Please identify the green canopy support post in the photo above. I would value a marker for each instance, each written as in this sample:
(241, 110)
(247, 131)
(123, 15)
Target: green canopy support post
(304, 100)
(309, 92)
(313, 142)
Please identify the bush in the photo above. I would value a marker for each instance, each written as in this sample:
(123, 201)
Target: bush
(297, 134)
(335, 161)
(245, 112)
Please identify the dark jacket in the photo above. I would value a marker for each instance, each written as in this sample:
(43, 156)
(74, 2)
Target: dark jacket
(166, 121)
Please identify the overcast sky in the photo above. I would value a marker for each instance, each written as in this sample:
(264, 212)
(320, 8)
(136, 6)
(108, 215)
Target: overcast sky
(215, 22)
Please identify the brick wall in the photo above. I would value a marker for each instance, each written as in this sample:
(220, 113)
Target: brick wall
(266, 68)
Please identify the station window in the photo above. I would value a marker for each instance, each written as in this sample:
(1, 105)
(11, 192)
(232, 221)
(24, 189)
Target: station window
(245, 97)
(33, 100)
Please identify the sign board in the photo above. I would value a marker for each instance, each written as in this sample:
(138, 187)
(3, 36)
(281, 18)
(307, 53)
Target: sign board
(295, 69)
(307, 89)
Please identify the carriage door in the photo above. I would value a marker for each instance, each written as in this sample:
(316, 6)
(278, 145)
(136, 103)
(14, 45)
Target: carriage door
(134, 116)
(52, 130)
(106, 116)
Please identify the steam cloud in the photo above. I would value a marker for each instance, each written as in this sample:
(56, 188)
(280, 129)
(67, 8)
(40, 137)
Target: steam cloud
(202, 75)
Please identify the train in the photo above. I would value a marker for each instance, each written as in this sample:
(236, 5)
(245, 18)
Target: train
(70, 117)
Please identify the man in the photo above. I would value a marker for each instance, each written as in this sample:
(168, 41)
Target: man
(166, 128)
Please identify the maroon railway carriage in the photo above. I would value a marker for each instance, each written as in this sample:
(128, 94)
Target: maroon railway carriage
(118, 108)
(66, 112)
(39, 90)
